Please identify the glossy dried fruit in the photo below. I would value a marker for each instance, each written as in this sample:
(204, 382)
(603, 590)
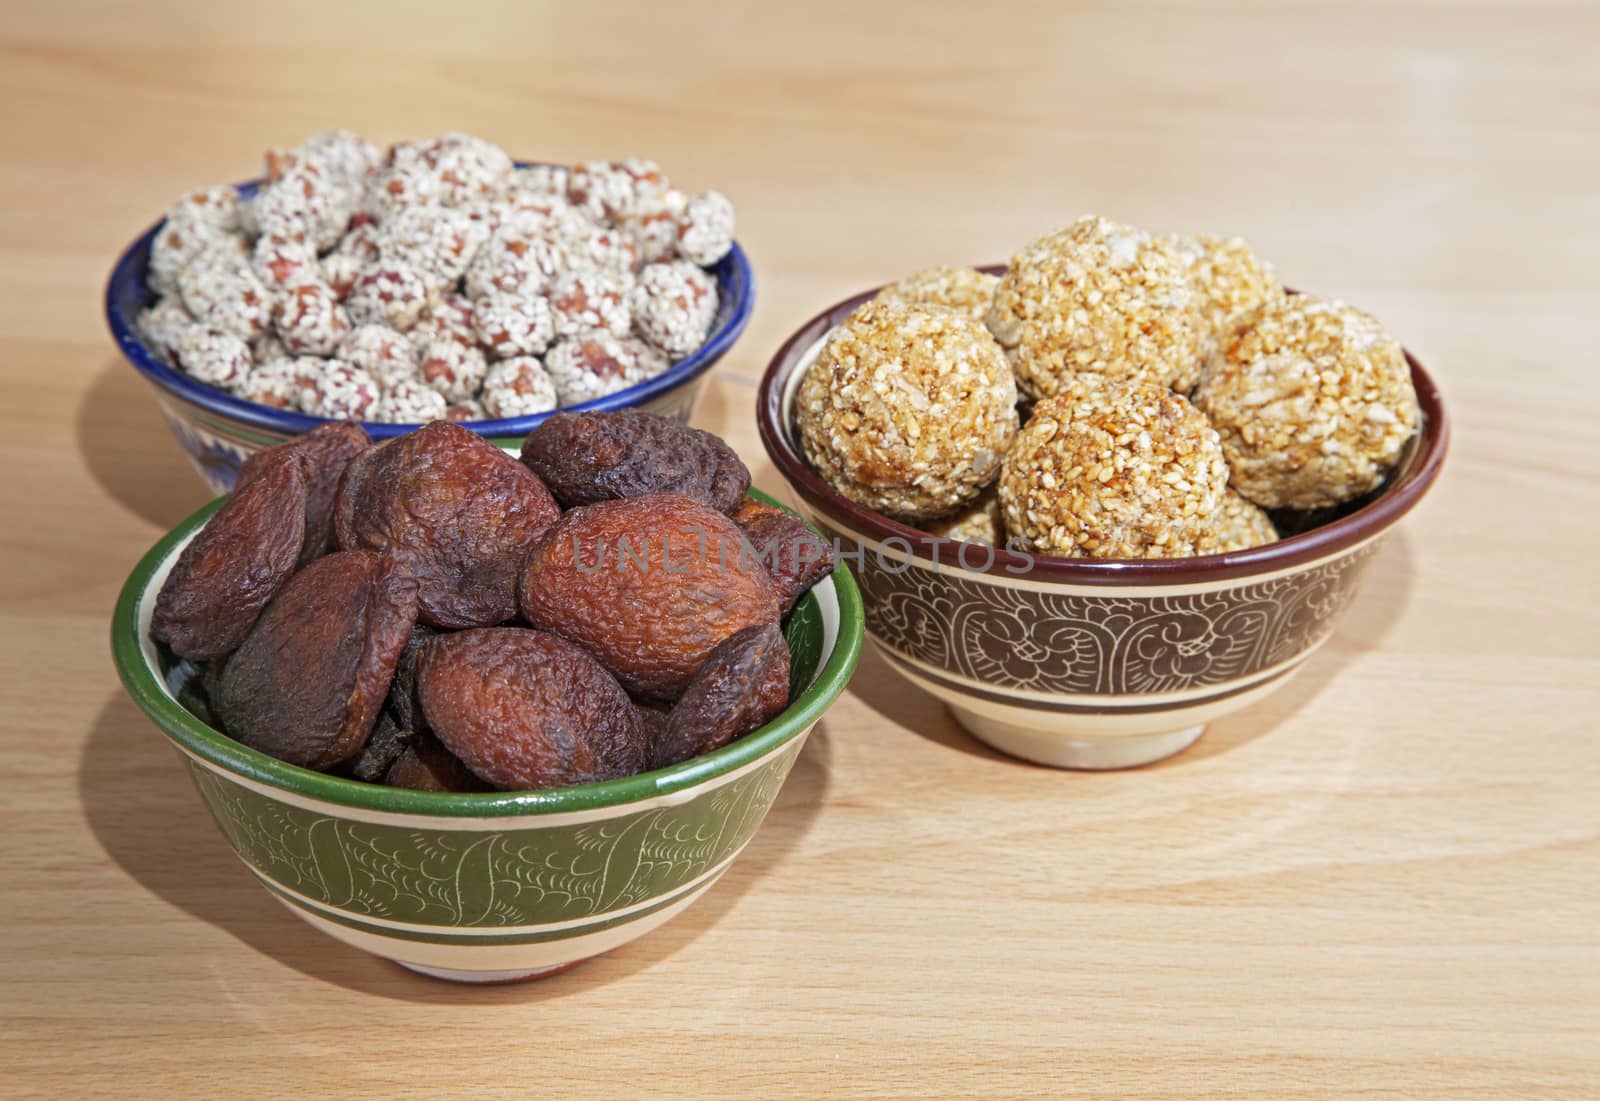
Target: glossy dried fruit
(648, 585)
(403, 702)
(458, 511)
(590, 457)
(322, 453)
(427, 765)
(307, 683)
(743, 684)
(385, 745)
(527, 709)
(236, 564)
(795, 556)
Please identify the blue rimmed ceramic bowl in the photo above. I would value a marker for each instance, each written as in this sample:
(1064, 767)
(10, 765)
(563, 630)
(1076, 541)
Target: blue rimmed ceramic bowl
(219, 431)
(485, 887)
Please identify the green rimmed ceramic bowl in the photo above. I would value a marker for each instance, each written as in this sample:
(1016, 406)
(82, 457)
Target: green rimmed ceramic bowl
(486, 887)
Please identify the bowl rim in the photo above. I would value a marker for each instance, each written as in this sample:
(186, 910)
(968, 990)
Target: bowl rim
(151, 695)
(1319, 542)
(733, 274)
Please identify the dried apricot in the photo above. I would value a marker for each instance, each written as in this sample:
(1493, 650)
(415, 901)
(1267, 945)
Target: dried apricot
(323, 453)
(527, 709)
(648, 585)
(236, 564)
(385, 745)
(458, 511)
(795, 556)
(744, 683)
(403, 703)
(590, 457)
(307, 683)
(427, 765)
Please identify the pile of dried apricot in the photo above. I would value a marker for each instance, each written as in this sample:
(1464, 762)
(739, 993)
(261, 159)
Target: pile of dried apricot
(432, 613)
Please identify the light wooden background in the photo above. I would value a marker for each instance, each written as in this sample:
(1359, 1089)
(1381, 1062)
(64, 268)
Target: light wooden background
(1385, 878)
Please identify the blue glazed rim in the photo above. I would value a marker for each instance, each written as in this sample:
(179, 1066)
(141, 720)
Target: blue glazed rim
(127, 293)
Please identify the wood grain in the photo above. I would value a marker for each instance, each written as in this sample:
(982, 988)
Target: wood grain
(1381, 880)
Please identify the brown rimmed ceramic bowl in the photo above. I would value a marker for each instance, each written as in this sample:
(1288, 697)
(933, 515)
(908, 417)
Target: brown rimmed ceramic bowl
(1092, 664)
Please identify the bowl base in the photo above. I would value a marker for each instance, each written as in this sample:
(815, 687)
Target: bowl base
(1083, 752)
(449, 974)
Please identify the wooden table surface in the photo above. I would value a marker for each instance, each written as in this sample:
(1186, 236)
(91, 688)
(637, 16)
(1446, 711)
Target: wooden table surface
(1384, 878)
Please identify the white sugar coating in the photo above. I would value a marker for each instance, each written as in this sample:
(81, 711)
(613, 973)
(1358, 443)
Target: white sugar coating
(1314, 402)
(592, 364)
(214, 356)
(217, 207)
(380, 351)
(602, 190)
(603, 247)
(454, 369)
(592, 299)
(673, 306)
(284, 258)
(908, 409)
(181, 241)
(965, 289)
(162, 324)
(309, 320)
(470, 410)
(388, 294)
(225, 294)
(1229, 278)
(410, 401)
(341, 392)
(518, 387)
(436, 241)
(1236, 525)
(306, 199)
(1099, 297)
(705, 233)
(653, 224)
(510, 325)
(543, 179)
(515, 261)
(278, 382)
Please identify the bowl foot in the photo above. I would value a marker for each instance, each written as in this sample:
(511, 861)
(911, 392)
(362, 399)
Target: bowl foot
(1088, 753)
(488, 977)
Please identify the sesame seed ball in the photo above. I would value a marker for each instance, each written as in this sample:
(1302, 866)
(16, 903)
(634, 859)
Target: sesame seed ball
(518, 387)
(1099, 297)
(409, 401)
(454, 369)
(183, 239)
(705, 233)
(510, 325)
(604, 247)
(1313, 400)
(965, 290)
(268, 346)
(277, 382)
(162, 324)
(673, 306)
(515, 260)
(309, 320)
(223, 294)
(650, 361)
(601, 190)
(283, 258)
(1236, 525)
(436, 241)
(979, 522)
(389, 294)
(217, 207)
(592, 364)
(542, 179)
(340, 270)
(1112, 468)
(592, 299)
(908, 409)
(653, 224)
(338, 391)
(404, 181)
(343, 154)
(1230, 279)
(214, 356)
(381, 352)
(469, 410)
(306, 199)
(647, 177)
(468, 168)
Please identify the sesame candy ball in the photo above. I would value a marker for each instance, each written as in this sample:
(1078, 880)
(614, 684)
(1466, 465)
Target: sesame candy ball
(510, 325)
(603, 247)
(907, 409)
(409, 401)
(1313, 400)
(542, 179)
(395, 295)
(277, 382)
(213, 356)
(581, 300)
(515, 260)
(184, 239)
(340, 270)
(653, 224)
(162, 324)
(342, 154)
(1229, 278)
(705, 233)
(673, 306)
(603, 191)
(306, 199)
(469, 168)
(284, 258)
(647, 177)
(339, 391)
(404, 181)
(454, 369)
(268, 346)
(469, 410)
(437, 242)
(592, 364)
(650, 360)
(356, 251)
(1099, 297)
(309, 320)
(381, 352)
(518, 387)
(1112, 468)
(966, 290)
(1236, 525)
(217, 207)
(979, 522)
(226, 295)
